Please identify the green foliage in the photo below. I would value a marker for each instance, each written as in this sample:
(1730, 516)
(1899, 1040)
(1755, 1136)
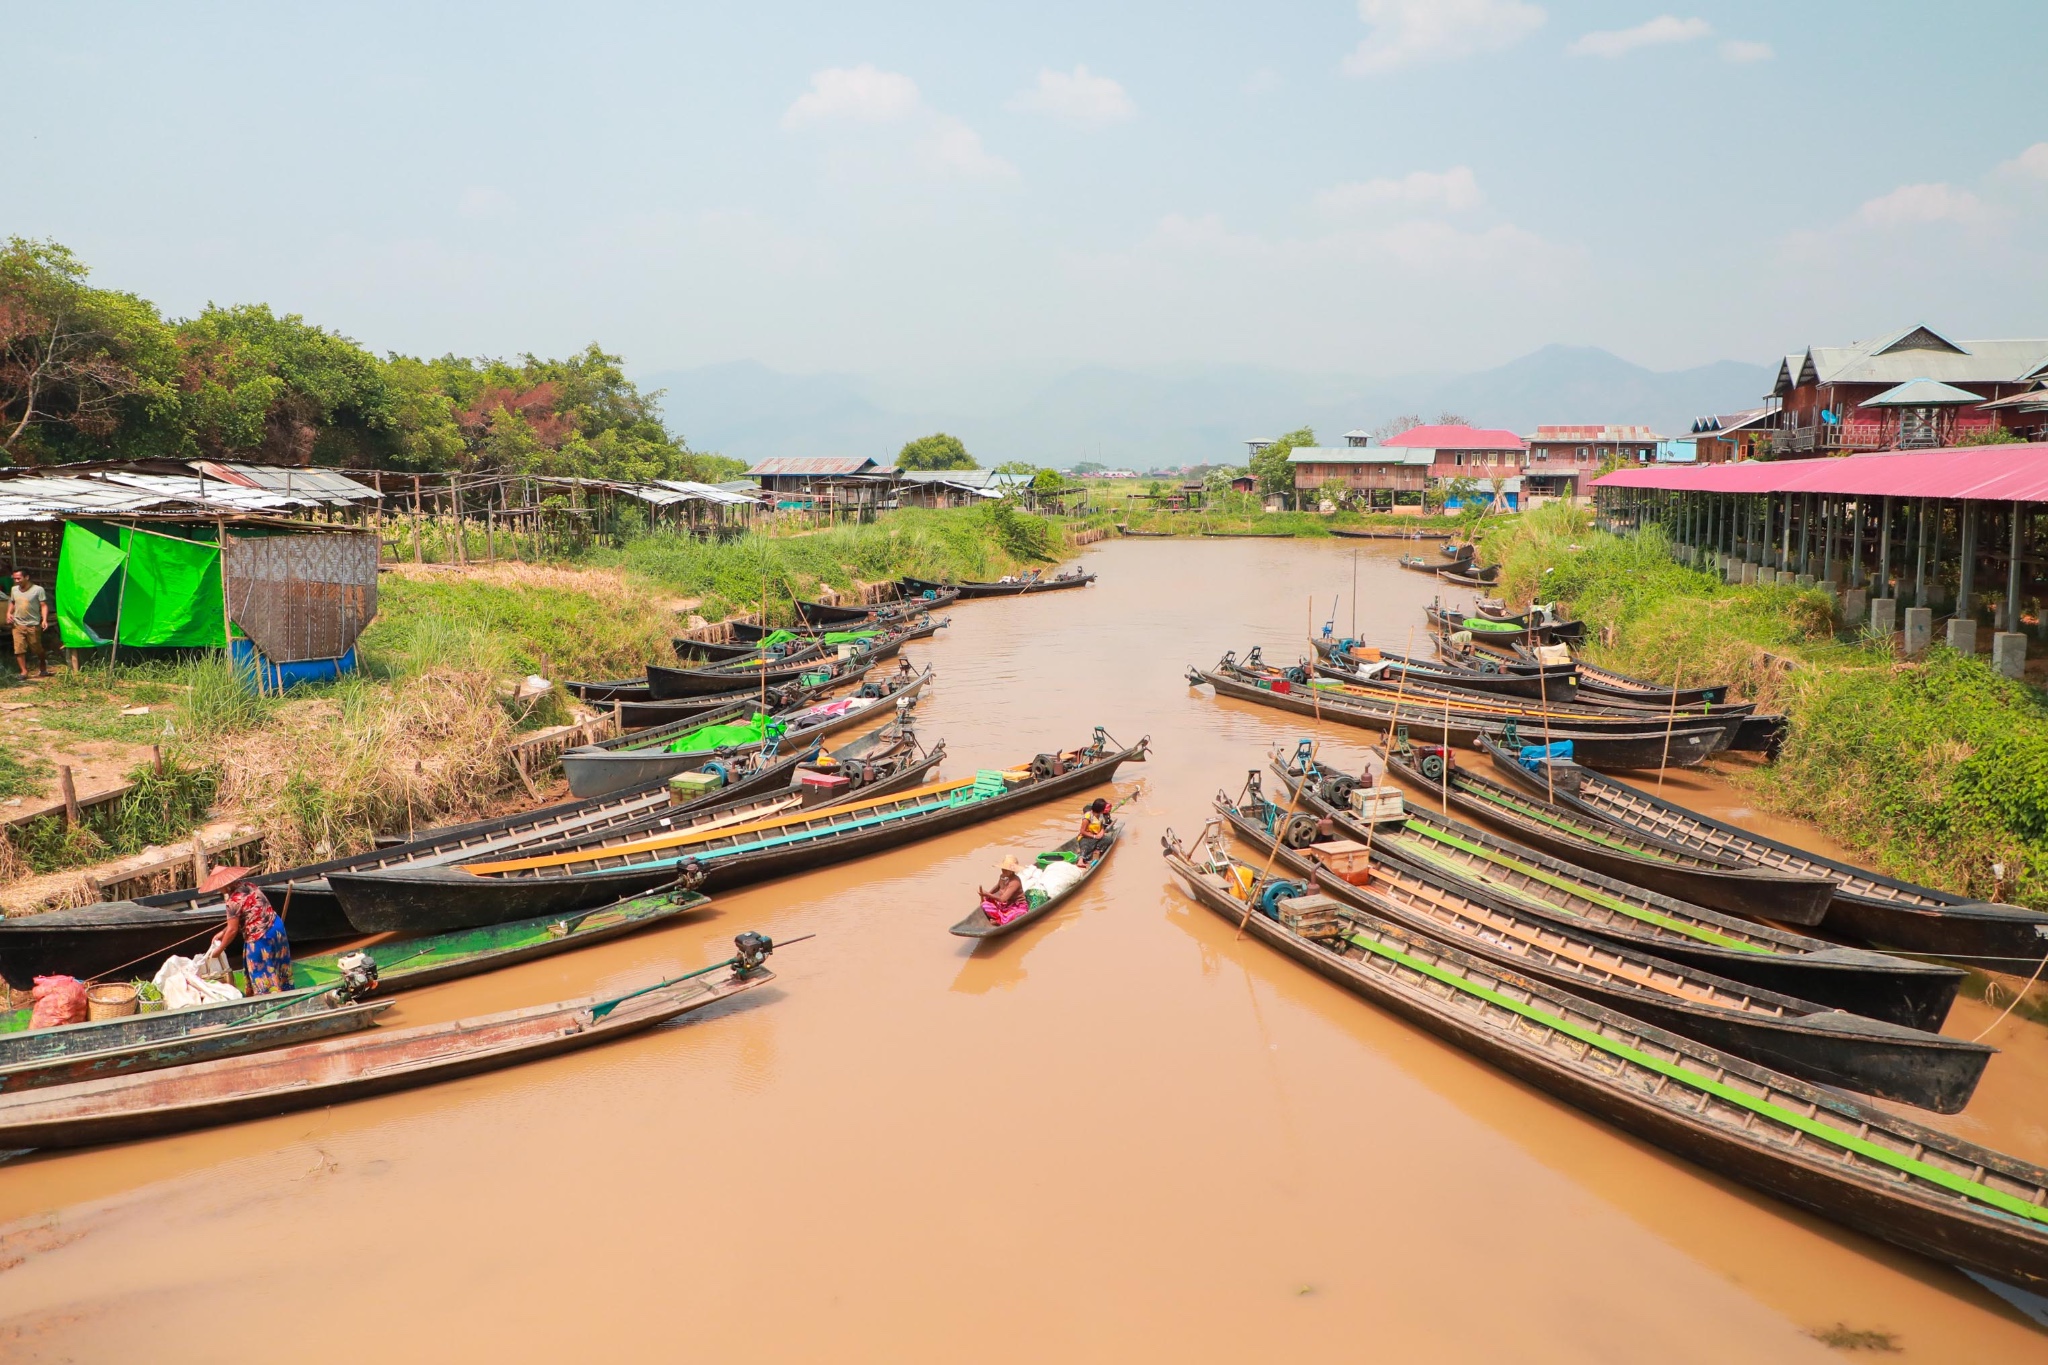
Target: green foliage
(1048, 483)
(1991, 436)
(1270, 466)
(21, 777)
(86, 373)
(1086, 467)
(79, 366)
(1018, 467)
(164, 807)
(542, 623)
(936, 451)
(219, 700)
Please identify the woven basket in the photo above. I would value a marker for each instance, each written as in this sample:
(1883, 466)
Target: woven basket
(114, 1000)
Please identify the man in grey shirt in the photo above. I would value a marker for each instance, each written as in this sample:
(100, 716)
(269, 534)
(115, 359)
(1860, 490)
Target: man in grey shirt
(28, 611)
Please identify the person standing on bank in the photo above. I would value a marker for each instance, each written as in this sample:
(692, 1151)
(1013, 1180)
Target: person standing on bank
(28, 611)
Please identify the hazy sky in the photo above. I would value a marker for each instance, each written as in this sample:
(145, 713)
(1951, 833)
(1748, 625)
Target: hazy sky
(940, 190)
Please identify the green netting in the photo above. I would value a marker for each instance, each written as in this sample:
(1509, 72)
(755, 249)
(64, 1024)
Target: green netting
(705, 738)
(88, 586)
(159, 589)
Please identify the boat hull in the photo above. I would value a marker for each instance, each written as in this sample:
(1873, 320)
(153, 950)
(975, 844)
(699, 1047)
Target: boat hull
(979, 927)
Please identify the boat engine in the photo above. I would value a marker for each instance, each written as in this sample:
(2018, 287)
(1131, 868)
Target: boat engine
(358, 975)
(751, 950)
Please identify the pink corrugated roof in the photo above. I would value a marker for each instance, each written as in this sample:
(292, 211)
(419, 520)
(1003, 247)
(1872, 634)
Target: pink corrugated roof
(1459, 438)
(2014, 473)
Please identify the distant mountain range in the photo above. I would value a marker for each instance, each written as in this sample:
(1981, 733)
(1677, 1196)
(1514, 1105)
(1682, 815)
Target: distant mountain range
(1143, 419)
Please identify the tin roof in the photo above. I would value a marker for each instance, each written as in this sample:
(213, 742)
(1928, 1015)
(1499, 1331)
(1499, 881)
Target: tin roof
(1360, 455)
(1921, 393)
(2005, 473)
(1609, 432)
(797, 465)
(30, 495)
(1916, 353)
(1460, 438)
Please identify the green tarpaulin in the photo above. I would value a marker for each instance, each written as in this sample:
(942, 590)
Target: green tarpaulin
(705, 738)
(832, 637)
(148, 586)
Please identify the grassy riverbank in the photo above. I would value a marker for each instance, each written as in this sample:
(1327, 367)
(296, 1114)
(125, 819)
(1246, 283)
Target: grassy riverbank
(420, 735)
(1933, 769)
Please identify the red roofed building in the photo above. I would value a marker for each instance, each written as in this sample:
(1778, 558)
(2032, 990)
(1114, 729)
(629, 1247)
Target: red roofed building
(1467, 452)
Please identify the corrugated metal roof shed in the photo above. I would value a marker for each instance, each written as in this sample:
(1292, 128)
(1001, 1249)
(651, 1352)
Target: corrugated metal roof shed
(2008, 473)
(786, 466)
(1361, 455)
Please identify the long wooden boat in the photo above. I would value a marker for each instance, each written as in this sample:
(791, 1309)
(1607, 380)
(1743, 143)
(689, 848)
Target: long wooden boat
(702, 652)
(1479, 691)
(1380, 535)
(1855, 1163)
(1719, 883)
(729, 855)
(354, 1067)
(1605, 680)
(1249, 535)
(1457, 549)
(1059, 582)
(1158, 535)
(393, 901)
(1504, 635)
(624, 689)
(134, 937)
(1795, 1036)
(637, 760)
(1424, 694)
(979, 926)
(1898, 990)
(1606, 748)
(1434, 568)
(283, 1023)
(668, 684)
(1478, 578)
(1346, 665)
(1866, 906)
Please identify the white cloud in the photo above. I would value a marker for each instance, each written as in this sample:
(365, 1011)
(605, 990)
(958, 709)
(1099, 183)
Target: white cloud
(1079, 98)
(860, 94)
(955, 149)
(1405, 32)
(2032, 164)
(1619, 42)
(1909, 205)
(1455, 190)
(1741, 50)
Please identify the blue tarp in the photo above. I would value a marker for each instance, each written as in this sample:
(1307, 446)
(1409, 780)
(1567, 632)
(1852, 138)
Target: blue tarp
(1532, 755)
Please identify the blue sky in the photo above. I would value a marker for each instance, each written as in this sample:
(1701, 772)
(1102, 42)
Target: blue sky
(937, 194)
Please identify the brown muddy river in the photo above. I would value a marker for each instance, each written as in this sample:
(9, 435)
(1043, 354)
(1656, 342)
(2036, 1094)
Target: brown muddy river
(1121, 1135)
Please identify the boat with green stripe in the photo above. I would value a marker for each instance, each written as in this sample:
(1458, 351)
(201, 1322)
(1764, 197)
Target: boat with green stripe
(1902, 1182)
(1795, 1036)
(1898, 990)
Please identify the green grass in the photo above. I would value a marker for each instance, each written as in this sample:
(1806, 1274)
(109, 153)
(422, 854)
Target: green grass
(1934, 770)
(164, 807)
(21, 776)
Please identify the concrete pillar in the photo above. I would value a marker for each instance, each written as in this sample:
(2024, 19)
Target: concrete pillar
(1804, 580)
(1884, 614)
(2009, 652)
(1749, 568)
(1962, 635)
(1966, 587)
(1855, 605)
(1765, 573)
(1731, 571)
(1919, 630)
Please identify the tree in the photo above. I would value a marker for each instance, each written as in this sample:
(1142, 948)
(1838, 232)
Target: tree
(1088, 467)
(1018, 467)
(1394, 426)
(1270, 467)
(936, 451)
(258, 385)
(76, 363)
(1453, 419)
(1990, 436)
(1048, 483)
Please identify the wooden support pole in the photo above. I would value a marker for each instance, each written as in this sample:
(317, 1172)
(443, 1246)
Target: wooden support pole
(1966, 584)
(70, 792)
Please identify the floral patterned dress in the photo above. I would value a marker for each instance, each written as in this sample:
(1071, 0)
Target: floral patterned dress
(266, 949)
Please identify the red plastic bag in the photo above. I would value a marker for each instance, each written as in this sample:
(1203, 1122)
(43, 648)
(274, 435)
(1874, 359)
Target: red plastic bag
(59, 1000)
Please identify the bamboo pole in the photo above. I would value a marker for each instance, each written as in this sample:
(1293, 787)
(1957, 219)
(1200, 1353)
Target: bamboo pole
(1670, 721)
(1543, 698)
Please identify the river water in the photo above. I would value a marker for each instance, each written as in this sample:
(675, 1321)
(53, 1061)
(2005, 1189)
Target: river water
(1121, 1135)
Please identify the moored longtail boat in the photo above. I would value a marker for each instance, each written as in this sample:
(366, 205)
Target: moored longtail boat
(1071, 579)
(725, 855)
(1357, 664)
(1796, 1036)
(358, 1066)
(134, 937)
(1503, 635)
(651, 756)
(977, 925)
(1719, 883)
(1866, 906)
(1899, 990)
(1889, 1177)
(1646, 748)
